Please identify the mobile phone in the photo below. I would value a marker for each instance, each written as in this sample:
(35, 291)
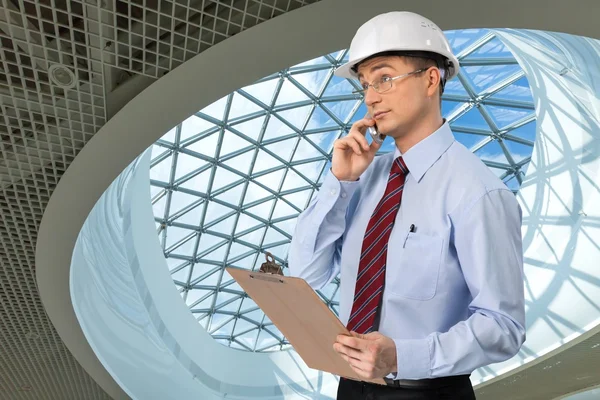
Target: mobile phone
(377, 137)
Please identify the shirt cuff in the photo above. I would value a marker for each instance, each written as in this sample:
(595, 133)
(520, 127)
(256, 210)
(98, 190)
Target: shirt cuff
(340, 192)
(413, 358)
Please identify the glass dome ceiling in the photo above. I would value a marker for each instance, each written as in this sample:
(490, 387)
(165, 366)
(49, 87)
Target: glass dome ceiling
(229, 182)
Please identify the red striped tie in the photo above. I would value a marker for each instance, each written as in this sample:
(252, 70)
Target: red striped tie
(371, 269)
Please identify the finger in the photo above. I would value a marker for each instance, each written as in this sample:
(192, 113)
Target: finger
(351, 341)
(354, 144)
(348, 351)
(362, 124)
(360, 139)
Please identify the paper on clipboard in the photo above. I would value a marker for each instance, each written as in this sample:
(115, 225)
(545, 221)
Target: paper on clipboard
(298, 312)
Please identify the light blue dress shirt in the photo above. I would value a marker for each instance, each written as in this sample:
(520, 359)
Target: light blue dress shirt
(454, 297)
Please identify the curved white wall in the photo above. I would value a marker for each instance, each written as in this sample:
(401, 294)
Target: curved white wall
(560, 195)
(142, 331)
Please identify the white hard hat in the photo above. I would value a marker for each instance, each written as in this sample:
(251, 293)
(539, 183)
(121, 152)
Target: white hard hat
(398, 31)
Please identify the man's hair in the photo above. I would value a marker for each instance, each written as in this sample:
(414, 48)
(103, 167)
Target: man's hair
(419, 60)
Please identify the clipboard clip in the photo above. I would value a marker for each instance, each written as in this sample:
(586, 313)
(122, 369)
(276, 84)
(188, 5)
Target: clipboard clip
(270, 266)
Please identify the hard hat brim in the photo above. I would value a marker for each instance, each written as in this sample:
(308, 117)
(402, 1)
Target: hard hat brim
(345, 70)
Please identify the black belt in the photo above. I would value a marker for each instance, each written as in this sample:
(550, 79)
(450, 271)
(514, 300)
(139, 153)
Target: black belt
(445, 381)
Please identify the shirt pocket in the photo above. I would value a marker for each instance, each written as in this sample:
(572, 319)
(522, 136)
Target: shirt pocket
(413, 266)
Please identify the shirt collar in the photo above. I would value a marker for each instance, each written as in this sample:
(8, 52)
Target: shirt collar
(424, 154)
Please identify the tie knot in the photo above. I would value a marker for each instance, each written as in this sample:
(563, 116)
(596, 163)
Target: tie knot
(399, 166)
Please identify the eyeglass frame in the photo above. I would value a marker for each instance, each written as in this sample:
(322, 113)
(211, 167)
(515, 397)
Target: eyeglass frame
(390, 80)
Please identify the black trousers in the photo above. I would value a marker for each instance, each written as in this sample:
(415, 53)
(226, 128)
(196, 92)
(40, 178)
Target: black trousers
(452, 388)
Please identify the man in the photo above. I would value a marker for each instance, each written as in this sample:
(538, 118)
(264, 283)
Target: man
(427, 239)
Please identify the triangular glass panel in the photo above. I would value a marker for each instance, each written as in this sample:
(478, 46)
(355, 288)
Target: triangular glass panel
(272, 180)
(193, 126)
(162, 170)
(468, 140)
(174, 263)
(213, 279)
(242, 163)
(193, 295)
(276, 128)
(306, 150)
(248, 339)
(358, 114)
(199, 182)
(299, 199)
(215, 211)
(251, 310)
(280, 251)
(223, 297)
(180, 200)
(251, 128)
(293, 181)
(263, 91)
(232, 307)
(206, 146)
(273, 236)
(324, 140)
(492, 152)
(207, 241)
(217, 255)
(455, 87)
(254, 237)
(283, 148)
(275, 332)
(320, 119)
(518, 90)
(289, 94)
(193, 216)
(246, 262)
(527, 131)
(449, 108)
(504, 116)
(338, 86)
(232, 143)
(255, 192)
(158, 208)
(238, 249)
(217, 321)
(265, 340)
(242, 326)
(485, 76)
(499, 172)
(518, 151)
(343, 109)
(181, 275)
(225, 330)
(296, 116)
(242, 106)
(157, 151)
(200, 269)
(233, 195)
(311, 170)
(282, 209)
(264, 161)
(246, 222)
(185, 248)
(262, 210)
(492, 49)
(313, 81)
(216, 109)
(226, 226)
(187, 164)
(224, 177)
(472, 119)
(460, 39)
(288, 226)
(169, 136)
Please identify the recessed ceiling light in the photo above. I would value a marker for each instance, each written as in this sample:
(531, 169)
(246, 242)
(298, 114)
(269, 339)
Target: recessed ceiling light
(62, 76)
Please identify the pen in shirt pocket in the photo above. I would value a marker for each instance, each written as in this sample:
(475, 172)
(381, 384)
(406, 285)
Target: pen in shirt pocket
(412, 229)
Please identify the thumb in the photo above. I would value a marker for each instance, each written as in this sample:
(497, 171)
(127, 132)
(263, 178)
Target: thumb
(372, 336)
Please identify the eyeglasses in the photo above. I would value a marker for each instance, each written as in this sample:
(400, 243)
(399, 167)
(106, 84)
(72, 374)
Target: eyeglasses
(385, 83)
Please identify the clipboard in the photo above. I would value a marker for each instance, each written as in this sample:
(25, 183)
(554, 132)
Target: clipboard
(298, 312)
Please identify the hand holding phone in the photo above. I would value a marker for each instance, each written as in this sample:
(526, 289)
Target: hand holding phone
(352, 154)
(377, 137)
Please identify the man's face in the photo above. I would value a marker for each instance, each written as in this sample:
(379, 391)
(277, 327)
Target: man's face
(396, 110)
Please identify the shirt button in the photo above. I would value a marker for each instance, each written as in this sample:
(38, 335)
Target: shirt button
(333, 192)
(343, 195)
